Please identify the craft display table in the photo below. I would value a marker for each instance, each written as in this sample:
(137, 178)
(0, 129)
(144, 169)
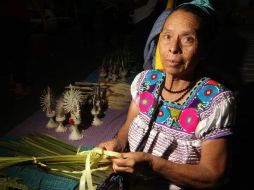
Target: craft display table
(93, 135)
(37, 179)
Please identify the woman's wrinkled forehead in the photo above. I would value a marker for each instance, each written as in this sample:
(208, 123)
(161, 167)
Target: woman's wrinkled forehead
(180, 19)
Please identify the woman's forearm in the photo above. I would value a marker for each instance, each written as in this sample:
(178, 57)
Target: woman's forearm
(208, 173)
(195, 176)
(122, 137)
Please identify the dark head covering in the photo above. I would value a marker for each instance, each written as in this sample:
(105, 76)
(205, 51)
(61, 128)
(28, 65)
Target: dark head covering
(151, 43)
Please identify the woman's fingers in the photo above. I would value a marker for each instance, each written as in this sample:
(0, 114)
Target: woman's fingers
(124, 162)
(123, 165)
(102, 145)
(117, 168)
(108, 145)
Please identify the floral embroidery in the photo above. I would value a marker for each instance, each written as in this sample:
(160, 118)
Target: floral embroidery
(177, 125)
(163, 114)
(181, 117)
(146, 100)
(207, 93)
(154, 76)
(189, 119)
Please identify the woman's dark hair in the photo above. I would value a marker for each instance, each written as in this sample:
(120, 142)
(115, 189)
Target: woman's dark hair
(208, 23)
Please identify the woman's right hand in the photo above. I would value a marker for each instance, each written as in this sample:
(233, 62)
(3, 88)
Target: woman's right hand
(119, 143)
(112, 145)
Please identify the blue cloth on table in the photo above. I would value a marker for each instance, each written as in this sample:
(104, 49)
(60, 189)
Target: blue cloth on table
(35, 178)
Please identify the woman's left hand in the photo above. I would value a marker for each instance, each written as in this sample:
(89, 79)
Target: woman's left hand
(129, 161)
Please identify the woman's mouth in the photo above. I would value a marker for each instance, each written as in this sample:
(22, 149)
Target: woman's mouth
(169, 62)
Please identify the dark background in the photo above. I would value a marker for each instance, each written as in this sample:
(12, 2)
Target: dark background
(56, 42)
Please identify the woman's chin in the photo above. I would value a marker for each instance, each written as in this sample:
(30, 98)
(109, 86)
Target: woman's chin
(171, 70)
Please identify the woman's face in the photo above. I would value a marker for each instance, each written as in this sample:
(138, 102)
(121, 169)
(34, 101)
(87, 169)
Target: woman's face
(179, 43)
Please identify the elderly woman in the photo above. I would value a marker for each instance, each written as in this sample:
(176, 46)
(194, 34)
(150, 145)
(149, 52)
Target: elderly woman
(179, 122)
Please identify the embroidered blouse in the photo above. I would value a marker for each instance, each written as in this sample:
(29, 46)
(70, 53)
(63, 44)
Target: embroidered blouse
(179, 130)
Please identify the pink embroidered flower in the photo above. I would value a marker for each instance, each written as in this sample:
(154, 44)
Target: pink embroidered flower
(145, 102)
(189, 119)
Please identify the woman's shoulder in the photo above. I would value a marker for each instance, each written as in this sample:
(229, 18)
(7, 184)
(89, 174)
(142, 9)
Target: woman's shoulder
(150, 71)
(212, 86)
(211, 92)
(151, 74)
(147, 79)
(216, 106)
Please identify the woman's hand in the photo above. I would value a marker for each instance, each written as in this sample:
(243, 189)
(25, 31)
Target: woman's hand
(129, 161)
(112, 145)
(119, 143)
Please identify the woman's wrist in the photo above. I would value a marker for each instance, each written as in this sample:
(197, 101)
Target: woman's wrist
(150, 159)
(120, 144)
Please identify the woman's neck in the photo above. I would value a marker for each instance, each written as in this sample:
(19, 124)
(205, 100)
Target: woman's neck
(176, 84)
(177, 89)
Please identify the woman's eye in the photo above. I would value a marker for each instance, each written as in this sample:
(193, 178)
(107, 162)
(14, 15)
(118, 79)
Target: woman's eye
(187, 40)
(166, 36)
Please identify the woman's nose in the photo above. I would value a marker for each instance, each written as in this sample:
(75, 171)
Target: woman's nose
(174, 46)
